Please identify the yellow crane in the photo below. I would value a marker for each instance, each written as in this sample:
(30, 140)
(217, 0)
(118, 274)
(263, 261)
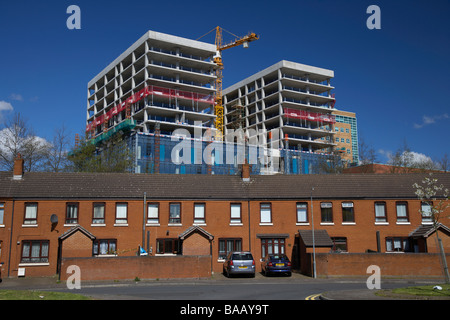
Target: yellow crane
(218, 109)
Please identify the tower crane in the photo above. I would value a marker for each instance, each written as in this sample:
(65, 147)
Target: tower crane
(218, 109)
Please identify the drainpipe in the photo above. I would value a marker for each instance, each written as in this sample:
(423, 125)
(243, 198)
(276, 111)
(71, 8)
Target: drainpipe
(378, 242)
(249, 227)
(10, 237)
(144, 220)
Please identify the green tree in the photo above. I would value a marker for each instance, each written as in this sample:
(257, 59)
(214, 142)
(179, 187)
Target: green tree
(112, 155)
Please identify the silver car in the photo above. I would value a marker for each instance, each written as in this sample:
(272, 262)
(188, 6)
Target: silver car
(239, 262)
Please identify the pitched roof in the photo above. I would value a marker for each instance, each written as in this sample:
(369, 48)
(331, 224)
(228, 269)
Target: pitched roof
(215, 187)
(76, 228)
(426, 230)
(197, 229)
(321, 238)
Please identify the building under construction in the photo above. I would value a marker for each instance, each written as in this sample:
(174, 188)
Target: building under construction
(164, 92)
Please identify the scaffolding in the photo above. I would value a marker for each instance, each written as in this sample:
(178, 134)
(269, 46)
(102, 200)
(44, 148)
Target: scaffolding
(158, 153)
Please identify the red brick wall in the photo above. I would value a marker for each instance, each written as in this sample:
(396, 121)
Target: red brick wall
(116, 268)
(391, 264)
(77, 245)
(360, 236)
(196, 244)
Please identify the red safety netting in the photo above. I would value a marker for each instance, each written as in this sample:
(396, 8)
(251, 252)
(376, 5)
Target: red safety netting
(149, 90)
(311, 116)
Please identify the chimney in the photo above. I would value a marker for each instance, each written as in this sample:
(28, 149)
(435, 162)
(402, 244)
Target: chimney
(246, 171)
(18, 167)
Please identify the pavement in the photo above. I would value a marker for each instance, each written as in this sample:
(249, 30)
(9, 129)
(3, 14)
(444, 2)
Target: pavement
(49, 283)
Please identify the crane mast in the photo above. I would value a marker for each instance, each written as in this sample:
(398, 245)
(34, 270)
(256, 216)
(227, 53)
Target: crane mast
(218, 109)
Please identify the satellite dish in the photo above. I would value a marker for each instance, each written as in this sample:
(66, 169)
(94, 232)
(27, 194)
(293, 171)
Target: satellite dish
(54, 219)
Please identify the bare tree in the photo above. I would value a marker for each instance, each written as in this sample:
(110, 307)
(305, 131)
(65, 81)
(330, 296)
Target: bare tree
(367, 155)
(56, 157)
(444, 163)
(436, 196)
(404, 160)
(18, 137)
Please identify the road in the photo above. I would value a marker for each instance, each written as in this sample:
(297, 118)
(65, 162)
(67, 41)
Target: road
(296, 287)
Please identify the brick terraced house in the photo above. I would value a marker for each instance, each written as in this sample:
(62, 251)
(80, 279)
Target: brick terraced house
(104, 218)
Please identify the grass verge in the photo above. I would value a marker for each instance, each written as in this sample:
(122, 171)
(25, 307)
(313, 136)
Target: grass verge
(39, 295)
(418, 292)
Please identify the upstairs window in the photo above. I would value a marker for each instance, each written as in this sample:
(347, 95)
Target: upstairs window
(98, 214)
(153, 213)
(72, 213)
(380, 212)
(326, 212)
(302, 212)
(175, 213)
(199, 213)
(235, 214)
(121, 213)
(402, 212)
(2, 213)
(348, 214)
(265, 213)
(427, 213)
(30, 214)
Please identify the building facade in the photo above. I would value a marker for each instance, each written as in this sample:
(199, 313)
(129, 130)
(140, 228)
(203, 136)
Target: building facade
(161, 79)
(293, 98)
(46, 217)
(346, 136)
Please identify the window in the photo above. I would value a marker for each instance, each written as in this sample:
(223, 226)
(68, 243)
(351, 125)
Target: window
(34, 251)
(104, 246)
(227, 245)
(326, 212)
(397, 244)
(302, 212)
(347, 140)
(168, 246)
(337, 139)
(266, 213)
(235, 217)
(71, 213)
(153, 213)
(272, 246)
(199, 213)
(98, 215)
(30, 213)
(380, 212)
(175, 213)
(402, 212)
(121, 213)
(339, 244)
(348, 215)
(427, 214)
(2, 213)
(347, 131)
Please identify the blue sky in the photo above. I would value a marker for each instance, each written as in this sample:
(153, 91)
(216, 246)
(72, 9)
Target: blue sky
(396, 79)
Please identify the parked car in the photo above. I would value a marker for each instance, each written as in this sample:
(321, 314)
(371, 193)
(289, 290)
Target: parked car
(276, 263)
(239, 263)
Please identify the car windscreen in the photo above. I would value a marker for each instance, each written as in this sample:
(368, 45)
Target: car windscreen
(241, 256)
(278, 257)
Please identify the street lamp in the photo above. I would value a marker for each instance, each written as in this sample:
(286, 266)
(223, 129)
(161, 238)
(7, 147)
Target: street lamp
(313, 240)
